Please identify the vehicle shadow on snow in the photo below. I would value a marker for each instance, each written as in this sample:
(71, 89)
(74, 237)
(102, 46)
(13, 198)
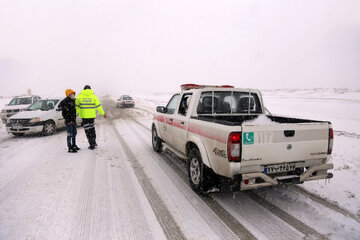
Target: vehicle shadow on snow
(38, 135)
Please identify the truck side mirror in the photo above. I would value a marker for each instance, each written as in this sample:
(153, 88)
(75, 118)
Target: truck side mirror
(161, 109)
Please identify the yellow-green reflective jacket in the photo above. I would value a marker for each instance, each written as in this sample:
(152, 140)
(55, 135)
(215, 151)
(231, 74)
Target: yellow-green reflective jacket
(87, 103)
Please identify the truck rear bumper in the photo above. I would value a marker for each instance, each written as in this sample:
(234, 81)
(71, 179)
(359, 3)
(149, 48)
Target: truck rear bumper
(249, 180)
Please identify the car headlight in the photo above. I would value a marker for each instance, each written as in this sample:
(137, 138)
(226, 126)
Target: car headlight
(34, 120)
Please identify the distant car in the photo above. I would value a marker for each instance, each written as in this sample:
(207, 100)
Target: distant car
(43, 116)
(125, 101)
(17, 104)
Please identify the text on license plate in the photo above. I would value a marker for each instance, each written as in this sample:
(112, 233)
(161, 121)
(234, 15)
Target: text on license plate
(279, 168)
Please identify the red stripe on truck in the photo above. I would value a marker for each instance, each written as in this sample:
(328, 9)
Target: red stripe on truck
(191, 128)
(176, 123)
(197, 130)
(159, 118)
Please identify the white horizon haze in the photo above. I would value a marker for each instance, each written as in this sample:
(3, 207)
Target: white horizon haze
(121, 47)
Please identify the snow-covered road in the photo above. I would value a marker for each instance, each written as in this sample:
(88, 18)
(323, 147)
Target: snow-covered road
(124, 190)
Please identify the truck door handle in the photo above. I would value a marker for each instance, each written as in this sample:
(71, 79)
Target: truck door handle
(182, 123)
(289, 133)
(171, 119)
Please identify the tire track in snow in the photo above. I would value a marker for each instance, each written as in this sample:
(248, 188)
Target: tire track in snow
(323, 202)
(132, 214)
(82, 219)
(309, 232)
(239, 229)
(166, 220)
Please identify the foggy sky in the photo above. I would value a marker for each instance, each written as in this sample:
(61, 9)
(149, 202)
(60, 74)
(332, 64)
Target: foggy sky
(127, 46)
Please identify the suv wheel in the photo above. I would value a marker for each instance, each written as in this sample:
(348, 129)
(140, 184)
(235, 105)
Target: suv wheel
(49, 128)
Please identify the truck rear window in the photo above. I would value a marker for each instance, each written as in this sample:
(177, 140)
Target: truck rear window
(228, 102)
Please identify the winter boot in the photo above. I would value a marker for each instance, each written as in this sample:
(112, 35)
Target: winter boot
(76, 147)
(72, 150)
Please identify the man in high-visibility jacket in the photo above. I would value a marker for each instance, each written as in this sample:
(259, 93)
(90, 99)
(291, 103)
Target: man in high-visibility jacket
(86, 105)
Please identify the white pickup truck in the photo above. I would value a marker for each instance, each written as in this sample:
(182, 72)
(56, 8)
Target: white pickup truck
(224, 131)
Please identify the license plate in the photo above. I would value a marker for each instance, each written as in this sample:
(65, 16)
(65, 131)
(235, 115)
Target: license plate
(17, 126)
(286, 167)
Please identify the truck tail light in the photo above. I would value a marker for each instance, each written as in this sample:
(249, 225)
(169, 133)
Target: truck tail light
(234, 147)
(331, 140)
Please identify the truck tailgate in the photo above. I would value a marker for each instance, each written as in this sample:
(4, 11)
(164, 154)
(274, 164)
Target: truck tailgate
(283, 143)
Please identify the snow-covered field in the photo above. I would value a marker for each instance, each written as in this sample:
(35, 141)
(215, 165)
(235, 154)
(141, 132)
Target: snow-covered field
(124, 190)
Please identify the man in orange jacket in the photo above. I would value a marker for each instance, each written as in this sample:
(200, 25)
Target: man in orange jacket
(67, 106)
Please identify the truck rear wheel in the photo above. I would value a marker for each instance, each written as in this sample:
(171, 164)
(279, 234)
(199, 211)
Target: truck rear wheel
(156, 141)
(200, 176)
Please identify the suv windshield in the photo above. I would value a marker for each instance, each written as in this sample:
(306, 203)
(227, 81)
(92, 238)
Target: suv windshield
(228, 102)
(20, 101)
(43, 105)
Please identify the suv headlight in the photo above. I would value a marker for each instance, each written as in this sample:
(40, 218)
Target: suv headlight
(34, 120)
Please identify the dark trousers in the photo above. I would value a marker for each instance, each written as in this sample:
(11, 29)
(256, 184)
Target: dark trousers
(71, 134)
(89, 126)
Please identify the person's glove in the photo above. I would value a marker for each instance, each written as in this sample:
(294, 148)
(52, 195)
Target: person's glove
(105, 116)
(70, 123)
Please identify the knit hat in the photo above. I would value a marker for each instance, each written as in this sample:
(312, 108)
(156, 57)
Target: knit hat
(87, 87)
(69, 91)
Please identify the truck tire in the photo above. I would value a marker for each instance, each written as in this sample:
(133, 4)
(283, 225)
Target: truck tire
(200, 176)
(49, 128)
(156, 141)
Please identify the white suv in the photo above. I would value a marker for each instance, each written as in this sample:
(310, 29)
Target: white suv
(43, 116)
(125, 101)
(17, 104)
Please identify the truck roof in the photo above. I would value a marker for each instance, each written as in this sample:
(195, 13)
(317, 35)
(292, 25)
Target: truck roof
(216, 88)
(194, 87)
